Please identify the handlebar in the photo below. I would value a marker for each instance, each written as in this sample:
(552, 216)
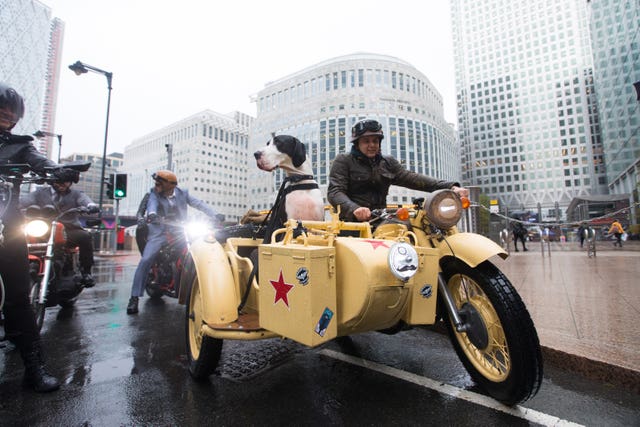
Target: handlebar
(24, 174)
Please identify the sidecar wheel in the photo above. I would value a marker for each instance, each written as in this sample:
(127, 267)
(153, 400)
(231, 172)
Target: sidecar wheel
(203, 352)
(501, 351)
(38, 309)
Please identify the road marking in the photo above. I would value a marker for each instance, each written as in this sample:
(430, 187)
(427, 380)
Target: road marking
(469, 396)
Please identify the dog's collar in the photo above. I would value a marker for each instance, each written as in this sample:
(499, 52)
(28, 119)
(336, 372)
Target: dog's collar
(297, 178)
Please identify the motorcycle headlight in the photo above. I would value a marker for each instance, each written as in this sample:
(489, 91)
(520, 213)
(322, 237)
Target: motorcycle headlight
(443, 208)
(196, 229)
(36, 228)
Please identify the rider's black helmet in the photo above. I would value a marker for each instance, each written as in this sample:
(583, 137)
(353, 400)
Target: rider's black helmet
(12, 102)
(67, 175)
(366, 127)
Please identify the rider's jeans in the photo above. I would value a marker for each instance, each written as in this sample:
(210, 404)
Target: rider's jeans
(156, 240)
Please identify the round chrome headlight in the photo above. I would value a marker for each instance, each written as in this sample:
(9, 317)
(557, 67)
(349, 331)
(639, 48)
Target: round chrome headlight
(196, 229)
(403, 261)
(443, 208)
(36, 228)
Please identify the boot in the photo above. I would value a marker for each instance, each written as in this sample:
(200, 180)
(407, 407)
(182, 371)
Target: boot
(35, 373)
(132, 307)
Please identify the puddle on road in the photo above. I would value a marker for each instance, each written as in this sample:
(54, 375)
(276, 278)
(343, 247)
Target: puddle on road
(111, 369)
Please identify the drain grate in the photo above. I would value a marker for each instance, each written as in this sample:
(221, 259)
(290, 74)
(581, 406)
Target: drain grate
(243, 360)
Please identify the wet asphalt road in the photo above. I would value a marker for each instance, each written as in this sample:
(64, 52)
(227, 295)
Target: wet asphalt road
(131, 370)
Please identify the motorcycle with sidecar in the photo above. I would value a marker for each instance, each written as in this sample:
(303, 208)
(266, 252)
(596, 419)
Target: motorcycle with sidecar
(314, 281)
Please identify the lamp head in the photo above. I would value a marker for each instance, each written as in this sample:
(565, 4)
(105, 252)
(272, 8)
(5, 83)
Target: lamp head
(78, 68)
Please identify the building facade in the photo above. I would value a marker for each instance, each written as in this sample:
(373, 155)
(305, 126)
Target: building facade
(90, 180)
(319, 104)
(527, 117)
(207, 151)
(615, 35)
(30, 49)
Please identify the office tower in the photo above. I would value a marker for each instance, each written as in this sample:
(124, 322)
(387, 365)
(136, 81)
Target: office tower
(528, 129)
(207, 151)
(319, 104)
(615, 35)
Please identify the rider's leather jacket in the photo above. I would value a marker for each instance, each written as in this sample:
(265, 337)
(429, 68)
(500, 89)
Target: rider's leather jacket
(355, 181)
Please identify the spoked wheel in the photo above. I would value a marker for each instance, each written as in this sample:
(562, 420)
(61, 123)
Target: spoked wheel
(38, 309)
(500, 348)
(203, 352)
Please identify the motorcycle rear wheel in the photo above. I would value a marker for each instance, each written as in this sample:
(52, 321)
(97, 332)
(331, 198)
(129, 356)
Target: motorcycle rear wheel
(38, 309)
(203, 352)
(501, 352)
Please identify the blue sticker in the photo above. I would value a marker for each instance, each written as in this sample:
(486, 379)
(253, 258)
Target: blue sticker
(324, 321)
(426, 291)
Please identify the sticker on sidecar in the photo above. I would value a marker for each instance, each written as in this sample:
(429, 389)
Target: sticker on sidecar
(323, 323)
(302, 275)
(282, 289)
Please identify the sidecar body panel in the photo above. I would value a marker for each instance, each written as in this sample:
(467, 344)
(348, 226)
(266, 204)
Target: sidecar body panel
(297, 297)
(471, 248)
(216, 282)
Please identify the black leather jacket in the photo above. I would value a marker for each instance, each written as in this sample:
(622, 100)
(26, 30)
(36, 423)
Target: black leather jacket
(356, 181)
(19, 149)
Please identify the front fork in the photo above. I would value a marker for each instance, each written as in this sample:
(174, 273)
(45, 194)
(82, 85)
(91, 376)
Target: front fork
(48, 260)
(458, 322)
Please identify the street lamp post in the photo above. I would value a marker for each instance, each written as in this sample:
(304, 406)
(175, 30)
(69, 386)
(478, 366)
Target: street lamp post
(41, 133)
(81, 68)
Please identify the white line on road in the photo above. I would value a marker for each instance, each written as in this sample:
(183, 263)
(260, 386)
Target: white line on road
(479, 399)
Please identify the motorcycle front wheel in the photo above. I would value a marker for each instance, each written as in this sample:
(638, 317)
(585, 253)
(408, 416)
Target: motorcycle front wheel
(38, 309)
(151, 284)
(500, 349)
(203, 352)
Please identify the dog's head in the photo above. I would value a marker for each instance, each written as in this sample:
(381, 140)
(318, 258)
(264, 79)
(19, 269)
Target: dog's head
(281, 151)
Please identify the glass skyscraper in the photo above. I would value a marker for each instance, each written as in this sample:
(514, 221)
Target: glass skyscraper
(615, 35)
(527, 116)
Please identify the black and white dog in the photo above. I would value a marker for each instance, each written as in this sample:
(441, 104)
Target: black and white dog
(303, 199)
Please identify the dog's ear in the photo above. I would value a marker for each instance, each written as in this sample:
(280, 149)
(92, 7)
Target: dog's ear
(293, 147)
(299, 154)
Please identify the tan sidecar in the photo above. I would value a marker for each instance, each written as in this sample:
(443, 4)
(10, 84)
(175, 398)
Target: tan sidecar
(313, 284)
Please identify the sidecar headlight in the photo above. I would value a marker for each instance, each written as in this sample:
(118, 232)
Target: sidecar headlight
(36, 228)
(403, 261)
(443, 208)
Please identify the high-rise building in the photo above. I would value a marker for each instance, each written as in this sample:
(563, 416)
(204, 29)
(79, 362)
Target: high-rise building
(30, 50)
(615, 35)
(207, 151)
(528, 125)
(319, 104)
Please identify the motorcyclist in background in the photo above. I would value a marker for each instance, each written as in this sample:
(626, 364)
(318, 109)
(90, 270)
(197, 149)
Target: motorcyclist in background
(170, 202)
(20, 325)
(63, 198)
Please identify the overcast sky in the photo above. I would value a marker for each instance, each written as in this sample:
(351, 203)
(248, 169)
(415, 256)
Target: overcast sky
(172, 59)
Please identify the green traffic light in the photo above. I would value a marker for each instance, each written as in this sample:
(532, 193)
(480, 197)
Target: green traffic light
(119, 193)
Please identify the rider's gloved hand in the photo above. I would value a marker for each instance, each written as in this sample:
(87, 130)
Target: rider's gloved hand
(92, 208)
(142, 221)
(153, 218)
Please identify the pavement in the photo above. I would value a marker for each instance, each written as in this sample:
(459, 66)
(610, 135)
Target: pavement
(586, 310)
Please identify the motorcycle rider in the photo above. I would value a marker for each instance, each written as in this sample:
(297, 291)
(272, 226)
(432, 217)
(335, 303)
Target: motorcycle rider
(63, 198)
(20, 325)
(359, 180)
(169, 202)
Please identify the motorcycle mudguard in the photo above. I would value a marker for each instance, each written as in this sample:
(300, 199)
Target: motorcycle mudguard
(219, 293)
(471, 248)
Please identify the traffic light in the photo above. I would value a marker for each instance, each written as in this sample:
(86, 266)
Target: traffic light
(120, 186)
(109, 184)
